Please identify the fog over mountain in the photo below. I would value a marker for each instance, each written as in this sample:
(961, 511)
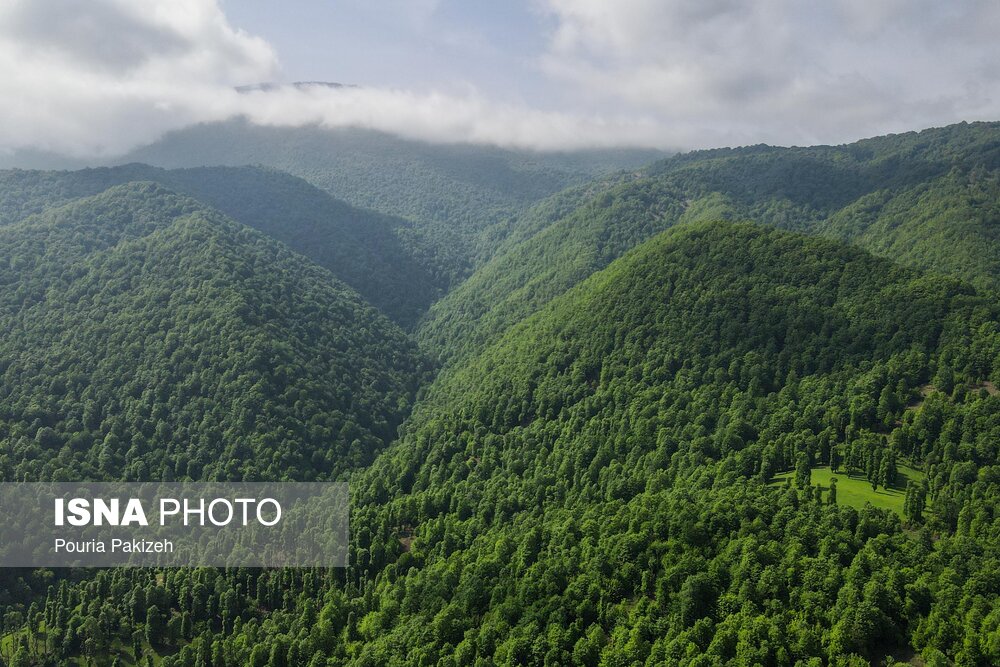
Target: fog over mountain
(546, 75)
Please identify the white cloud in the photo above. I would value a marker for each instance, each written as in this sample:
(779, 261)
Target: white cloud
(97, 77)
(783, 71)
(443, 118)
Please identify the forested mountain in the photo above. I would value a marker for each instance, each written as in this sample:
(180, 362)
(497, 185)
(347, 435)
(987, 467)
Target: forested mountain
(461, 197)
(687, 414)
(371, 252)
(592, 488)
(927, 199)
(146, 336)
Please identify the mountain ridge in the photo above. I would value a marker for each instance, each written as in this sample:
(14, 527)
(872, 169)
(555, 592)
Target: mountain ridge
(206, 313)
(367, 250)
(628, 452)
(854, 193)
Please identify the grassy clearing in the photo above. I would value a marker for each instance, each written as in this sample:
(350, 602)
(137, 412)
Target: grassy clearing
(855, 491)
(127, 658)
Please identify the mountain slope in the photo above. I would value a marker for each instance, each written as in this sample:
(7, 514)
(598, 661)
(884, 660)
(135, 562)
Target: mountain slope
(367, 250)
(924, 199)
(941, 181)
(526, 275)
(950, 224)
(461, 197)
(627, 459)
(592, 487)
(147, 336)
(362, 248)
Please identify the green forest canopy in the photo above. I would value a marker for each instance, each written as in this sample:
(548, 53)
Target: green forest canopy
(625, 458)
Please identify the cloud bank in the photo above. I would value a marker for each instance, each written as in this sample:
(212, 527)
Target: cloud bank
(783, 71)
(94, 78)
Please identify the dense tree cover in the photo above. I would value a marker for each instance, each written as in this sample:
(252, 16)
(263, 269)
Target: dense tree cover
(27, 192)
(148, 337)
(925, 199)
(948, 225)
(597, 477)
(461, 197)
(362, 248)
(528, 274)
(593, 488)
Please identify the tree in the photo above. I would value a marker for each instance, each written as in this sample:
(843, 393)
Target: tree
(803, 471)
(21, 658)
(697, 598)
(888, 404)
(137, 645)
(871, 468)
(888, 472)
(914, 502)
(831, 497)
(155, 627)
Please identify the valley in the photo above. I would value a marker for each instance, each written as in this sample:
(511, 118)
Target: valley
(586, 403)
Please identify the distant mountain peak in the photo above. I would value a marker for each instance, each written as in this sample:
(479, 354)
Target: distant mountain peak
(298, 85)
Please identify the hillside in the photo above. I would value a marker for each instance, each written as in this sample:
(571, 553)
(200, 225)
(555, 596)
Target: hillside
(901, 196)
(927, 200)
(364, 249)
(546, 333)
(461, 197)
(593, 487)
(628, 457)
(596, 486)
(146, 336)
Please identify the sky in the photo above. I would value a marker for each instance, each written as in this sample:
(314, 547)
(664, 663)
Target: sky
(95, 78)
